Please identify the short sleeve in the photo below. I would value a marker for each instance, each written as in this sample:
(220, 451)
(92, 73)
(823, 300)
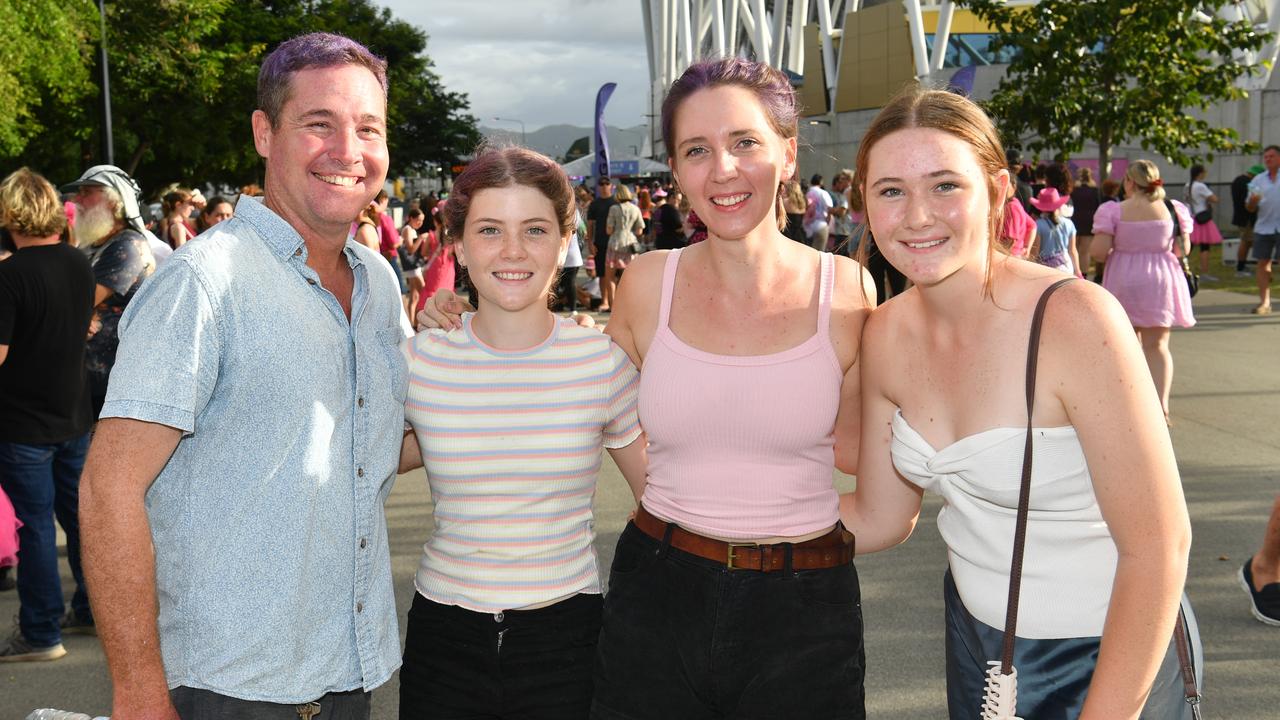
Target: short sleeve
(170, 349)
(1200, 192)
(120, 264)
(1106, 218)
(623, 425)
(1071, 227)
(1184, 217)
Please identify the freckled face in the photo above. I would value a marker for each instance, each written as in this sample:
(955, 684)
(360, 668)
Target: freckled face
(928, 203)
(511, 246)
(729, 160)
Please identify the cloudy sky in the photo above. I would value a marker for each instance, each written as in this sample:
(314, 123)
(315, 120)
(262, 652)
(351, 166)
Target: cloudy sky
(540, 61)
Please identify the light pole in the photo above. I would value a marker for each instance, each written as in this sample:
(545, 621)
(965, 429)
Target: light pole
(108, 142)
(522, 136)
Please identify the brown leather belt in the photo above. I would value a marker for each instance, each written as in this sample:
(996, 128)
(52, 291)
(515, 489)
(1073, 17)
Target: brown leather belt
(828, 551)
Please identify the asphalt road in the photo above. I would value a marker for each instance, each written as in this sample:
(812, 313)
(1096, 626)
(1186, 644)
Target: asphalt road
(1226, 411)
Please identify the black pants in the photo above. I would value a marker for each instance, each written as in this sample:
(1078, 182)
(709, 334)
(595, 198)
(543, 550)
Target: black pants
(194, 704)
(602, 255)
(685, 637)
(568, 290)
(517, 664)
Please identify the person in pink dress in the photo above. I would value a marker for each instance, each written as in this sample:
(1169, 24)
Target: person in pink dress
(8, 541)
(440, 273)
(1137, 239)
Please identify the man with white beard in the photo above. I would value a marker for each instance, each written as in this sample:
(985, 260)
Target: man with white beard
(110, 230)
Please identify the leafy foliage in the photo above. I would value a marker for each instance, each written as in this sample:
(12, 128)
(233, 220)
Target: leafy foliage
(184, 84)
(1115, 71)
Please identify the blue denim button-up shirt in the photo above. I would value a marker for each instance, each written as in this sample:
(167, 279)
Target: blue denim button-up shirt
(272, 567)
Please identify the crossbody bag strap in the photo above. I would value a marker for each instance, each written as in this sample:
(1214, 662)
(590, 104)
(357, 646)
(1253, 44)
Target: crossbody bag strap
(1024, 493)
(1190, 692)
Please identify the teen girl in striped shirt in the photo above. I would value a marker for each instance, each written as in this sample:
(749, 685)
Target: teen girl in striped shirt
(510, 413)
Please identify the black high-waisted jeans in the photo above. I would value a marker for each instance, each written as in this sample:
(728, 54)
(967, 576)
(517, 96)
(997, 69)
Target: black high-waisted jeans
(685, 637)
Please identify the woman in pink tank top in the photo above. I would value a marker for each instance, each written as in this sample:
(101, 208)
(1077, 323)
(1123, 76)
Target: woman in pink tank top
(733, 591)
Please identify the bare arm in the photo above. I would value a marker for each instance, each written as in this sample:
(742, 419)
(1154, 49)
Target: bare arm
(119, 560)
(847, 324)
(883, 508)
(4, 353)
(633, 463)
(410, 453)
(1101, 246)
(367, 236)
(1074, 252)
(1105, 387)
(101, 293)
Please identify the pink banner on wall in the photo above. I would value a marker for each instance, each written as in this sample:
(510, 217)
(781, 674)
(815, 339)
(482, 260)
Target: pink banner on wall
(1119, 166)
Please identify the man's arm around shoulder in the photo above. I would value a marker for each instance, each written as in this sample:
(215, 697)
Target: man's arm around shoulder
(119, 560)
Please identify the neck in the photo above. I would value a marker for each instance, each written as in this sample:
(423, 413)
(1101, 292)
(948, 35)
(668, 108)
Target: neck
(26, 241)
(750, 262)
(507, 330)
(324, 244)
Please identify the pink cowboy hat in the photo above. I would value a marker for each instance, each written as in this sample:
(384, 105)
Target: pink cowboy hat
(1049, 200)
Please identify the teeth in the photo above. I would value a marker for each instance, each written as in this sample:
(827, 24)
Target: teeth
(513, 275)
(931, 243)
(730, 200)
(343, 180)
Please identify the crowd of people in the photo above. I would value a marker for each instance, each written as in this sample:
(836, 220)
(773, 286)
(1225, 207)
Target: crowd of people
(226, 528)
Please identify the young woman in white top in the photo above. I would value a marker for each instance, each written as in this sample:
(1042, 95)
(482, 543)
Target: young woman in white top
(944, 409)
(1205, 233)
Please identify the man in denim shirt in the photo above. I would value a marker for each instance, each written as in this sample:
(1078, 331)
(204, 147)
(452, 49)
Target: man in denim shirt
(233, 496)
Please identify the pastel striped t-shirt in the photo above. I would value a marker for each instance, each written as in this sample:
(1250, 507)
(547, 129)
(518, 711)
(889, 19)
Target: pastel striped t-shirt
(512, 444)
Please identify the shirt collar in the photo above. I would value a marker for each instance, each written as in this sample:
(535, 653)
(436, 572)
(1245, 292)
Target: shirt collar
(279, 235)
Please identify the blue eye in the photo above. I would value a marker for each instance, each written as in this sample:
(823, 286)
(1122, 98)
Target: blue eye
(694, 151)
(947, 186)
(748, 142)
(890, 192)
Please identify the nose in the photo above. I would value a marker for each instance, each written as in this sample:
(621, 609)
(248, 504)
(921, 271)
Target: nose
(344, 146)
(513, 247)
(917, 213)
(725, 167)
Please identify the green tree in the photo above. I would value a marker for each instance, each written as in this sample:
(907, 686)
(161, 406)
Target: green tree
(46, 55)
(1114, 71)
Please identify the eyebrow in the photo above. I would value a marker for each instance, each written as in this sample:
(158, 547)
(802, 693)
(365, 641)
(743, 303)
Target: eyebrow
(934, 174)
(701, 139)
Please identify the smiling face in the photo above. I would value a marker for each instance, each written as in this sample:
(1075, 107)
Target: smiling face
(928, 203)
(729, 160)
(511, 245)
(327, 157)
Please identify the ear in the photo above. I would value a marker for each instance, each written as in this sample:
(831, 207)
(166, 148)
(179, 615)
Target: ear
(262, 132)
(671, 163)
(1003, 188)
(564, 250)
(459, 252)
(789, 158)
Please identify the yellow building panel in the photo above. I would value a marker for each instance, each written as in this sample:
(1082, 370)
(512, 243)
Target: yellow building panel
(813, 93)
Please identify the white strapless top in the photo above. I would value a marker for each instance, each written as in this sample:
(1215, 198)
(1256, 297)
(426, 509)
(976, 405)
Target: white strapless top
(1070, 560)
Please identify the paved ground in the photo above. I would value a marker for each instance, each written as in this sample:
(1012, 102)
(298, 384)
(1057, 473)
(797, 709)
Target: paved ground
(1226, 408)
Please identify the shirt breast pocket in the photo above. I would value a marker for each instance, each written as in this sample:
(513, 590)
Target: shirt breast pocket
(388, 352)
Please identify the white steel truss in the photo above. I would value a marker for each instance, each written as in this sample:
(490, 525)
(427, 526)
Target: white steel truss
(681, 32)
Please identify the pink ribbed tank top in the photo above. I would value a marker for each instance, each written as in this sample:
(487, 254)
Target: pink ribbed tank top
(742, 446)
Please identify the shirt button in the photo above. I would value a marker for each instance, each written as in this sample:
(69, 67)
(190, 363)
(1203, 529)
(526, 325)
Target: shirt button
(297, 253)
(360, 401)
(359, 607)
(362, 543)
(359, 472)
(498, 617)
(310, 281)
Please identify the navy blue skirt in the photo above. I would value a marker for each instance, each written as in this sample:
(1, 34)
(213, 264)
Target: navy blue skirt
(1053, 675)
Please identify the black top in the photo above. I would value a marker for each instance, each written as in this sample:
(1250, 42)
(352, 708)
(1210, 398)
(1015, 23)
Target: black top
(1085, 199)
(669, 233)
(1240, 215)
(598, 212)
(46, 299)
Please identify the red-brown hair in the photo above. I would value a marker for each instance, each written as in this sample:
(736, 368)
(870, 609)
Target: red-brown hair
(504, 167)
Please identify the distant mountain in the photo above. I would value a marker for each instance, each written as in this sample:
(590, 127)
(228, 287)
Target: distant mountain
(555, 140)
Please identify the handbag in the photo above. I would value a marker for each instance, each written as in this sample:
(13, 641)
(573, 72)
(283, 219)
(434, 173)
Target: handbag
(1203, 216)
(1000, 700)
(1193, 280)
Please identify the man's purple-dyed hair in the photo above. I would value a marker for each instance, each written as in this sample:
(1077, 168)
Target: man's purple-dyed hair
(770, 86)
(313, 50)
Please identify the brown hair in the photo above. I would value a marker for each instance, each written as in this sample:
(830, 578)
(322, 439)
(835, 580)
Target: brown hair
(172, 198)
(916, 107)
(30, 206)
(503, 167)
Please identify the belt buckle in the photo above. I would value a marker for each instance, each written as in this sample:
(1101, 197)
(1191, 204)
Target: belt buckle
(731, 554)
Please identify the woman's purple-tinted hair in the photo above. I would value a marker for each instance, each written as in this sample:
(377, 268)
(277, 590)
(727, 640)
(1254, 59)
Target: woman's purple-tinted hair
(769, 85)
(313, 50)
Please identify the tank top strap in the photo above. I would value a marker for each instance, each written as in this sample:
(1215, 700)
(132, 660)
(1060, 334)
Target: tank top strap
(668, 287)
(826, 287)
